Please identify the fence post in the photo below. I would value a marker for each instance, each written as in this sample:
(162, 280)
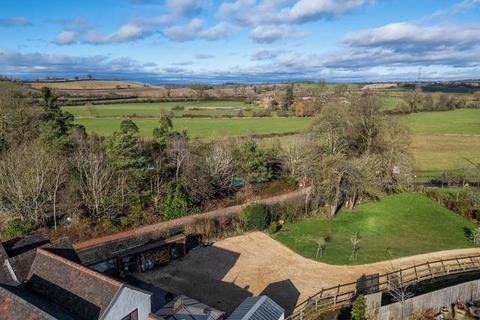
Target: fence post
(430, 269)
(444, 268)
(336, 295)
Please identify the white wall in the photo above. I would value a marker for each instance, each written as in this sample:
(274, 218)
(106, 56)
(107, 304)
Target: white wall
(128, 300)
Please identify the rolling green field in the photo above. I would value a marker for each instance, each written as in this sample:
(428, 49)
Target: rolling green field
(396, 226)
(441, 141)
(205, 128)
(458, 122)
(444, 141)
(153, 110)
(390, 102)
(329, 87)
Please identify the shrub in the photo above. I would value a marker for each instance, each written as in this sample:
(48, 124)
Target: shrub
(274, 227)
(205, 228)
(290, 181)
(176, 202)
(17, 228)
(359, 308)
(290, 211)
(178, 108)
(256, 216)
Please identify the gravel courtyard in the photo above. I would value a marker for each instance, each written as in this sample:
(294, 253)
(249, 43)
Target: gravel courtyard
(224, 274)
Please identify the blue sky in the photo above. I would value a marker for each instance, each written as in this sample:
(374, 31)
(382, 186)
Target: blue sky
(249, 40)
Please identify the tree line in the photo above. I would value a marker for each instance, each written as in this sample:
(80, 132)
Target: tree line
(51, 168)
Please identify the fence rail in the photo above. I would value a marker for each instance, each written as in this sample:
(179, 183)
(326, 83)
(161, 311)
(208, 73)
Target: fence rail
(343, 294)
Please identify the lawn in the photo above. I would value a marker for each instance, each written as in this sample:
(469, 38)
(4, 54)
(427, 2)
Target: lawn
(396, 226)
(205, 128)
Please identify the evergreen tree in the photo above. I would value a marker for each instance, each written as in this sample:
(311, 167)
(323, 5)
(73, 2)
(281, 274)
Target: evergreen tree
(56, 125)
(289, 98)
(255, 163)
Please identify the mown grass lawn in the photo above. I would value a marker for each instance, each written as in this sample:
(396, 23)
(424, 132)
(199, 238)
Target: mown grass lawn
(396, 226)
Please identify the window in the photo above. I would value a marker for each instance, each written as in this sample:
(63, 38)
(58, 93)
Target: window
(132, 316)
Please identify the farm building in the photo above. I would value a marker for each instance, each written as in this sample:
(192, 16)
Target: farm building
(43, 280)
(137, 253)
(258, 308)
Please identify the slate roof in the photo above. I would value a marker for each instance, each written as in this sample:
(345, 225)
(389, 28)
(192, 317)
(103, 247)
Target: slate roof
(17, 303)
(186, 308)
(83, 292)
(114, 249)
(18, 246)
(257, 308)
(12, 307)
(21, 263)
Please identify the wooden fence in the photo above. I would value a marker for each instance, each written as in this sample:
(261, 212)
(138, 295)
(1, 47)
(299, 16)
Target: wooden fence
(343, 294)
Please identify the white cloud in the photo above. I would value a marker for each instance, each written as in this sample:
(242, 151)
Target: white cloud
(262, 55)
(15, 62)
(272, 33)
(253, 13)
(127, 32)
(204, 56)
(188, 8)
(65, 37)
(310, 10)
(15, 22)
(195, 30)
(408, 35)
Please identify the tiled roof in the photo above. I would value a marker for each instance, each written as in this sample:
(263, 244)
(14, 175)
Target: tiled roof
(21, 263)
(12, 307)
(257, 308)
(84, 292)
(20, 303)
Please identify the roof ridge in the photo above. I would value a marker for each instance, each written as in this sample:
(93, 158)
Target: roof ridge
(80, 268)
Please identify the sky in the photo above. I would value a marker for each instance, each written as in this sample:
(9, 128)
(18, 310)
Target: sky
(241, 40)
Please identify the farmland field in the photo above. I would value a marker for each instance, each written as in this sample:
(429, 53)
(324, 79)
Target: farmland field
(390, 102)
(396, 226)
(86, 85)
(153, 110)
(458, 122)
(441, 141)
(206, 128)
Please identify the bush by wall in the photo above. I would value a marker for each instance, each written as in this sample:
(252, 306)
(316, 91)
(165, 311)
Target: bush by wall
(256, 217)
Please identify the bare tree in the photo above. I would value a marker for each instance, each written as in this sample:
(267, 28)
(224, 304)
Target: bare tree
(355, 240)
(27, 175)
(398, 290)
(322, 244)
(179, 151)
(331, 128)
(221, 165)
(95, 177)
(293, 157)
(60, 177)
